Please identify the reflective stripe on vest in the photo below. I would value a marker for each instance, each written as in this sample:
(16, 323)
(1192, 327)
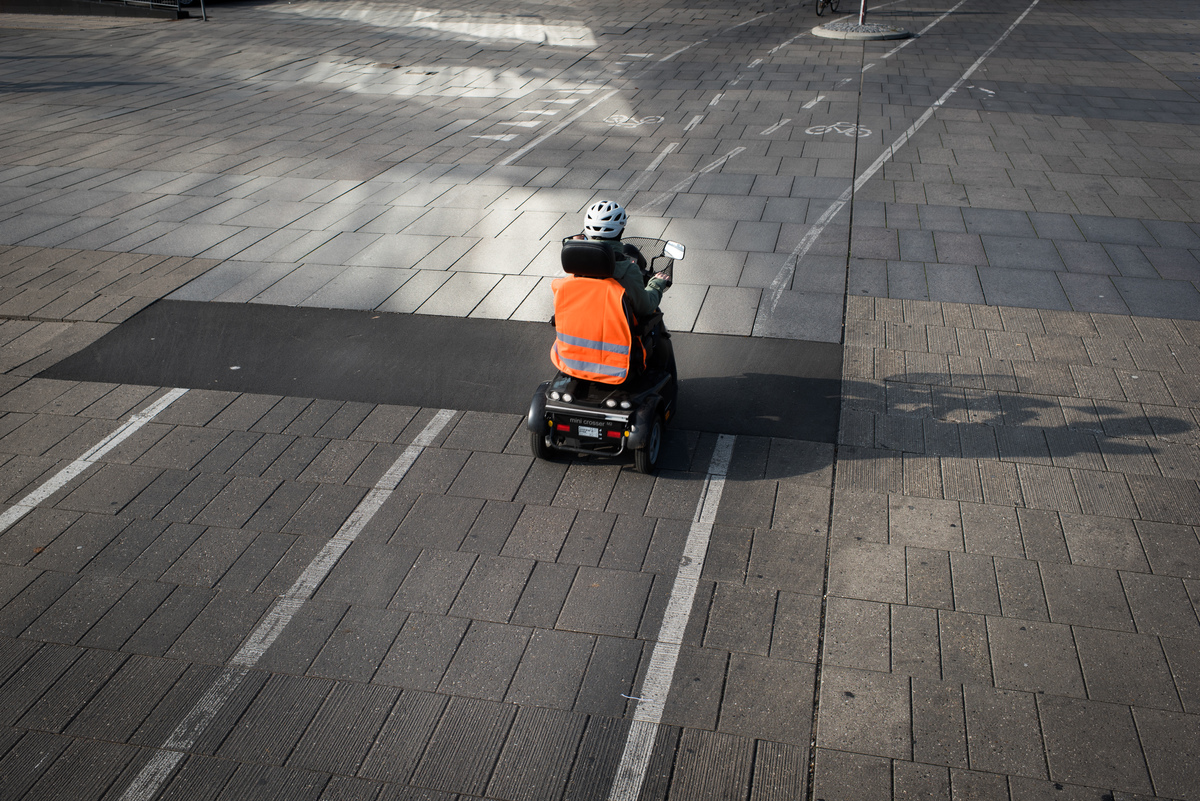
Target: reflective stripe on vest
(592, 367)
(567, 339)
(593, 338)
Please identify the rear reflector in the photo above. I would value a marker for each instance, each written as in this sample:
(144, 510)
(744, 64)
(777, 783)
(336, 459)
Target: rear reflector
(614, 434)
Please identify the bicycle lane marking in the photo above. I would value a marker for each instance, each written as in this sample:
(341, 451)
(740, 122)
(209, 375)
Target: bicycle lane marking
(146, 784)
(92, 455)
(647, 715)
(784, 278)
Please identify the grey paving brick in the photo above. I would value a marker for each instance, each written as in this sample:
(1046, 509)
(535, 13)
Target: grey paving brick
(27, 761)
(964, 648)
(400, 743)
(866, 570)
(83, 770)
(740, 619)
(368, 574)
(924, 522)
(605, 602)
(1160, 605)
(492, 527)
(162, 628)
(939, 723)
(433, 581)
(208, 558)
(276, 720)
(540, 533)
(358, 645)
(786, 560)
(787, 709)
(77, 545)
(855, 777)
(465, 746)
(116, 710)
(1172, 550)
(1086, 596)
(77, 610)
(866, 713)
(299, 643)
(26, 607)
(71, 691)
(435, 521)
(1089, 742)
(421, 652)
(537, 757)
(492, 589)
(1168, 740)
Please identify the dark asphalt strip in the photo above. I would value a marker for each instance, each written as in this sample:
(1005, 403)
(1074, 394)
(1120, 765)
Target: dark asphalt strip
(732, 385)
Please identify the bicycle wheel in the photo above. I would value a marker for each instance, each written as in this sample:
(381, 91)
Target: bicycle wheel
(821, 6)
(833, 5)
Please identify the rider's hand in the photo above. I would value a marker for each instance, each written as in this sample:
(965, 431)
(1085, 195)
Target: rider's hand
(665, 277)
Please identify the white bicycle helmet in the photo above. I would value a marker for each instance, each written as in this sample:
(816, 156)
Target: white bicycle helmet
(605, 220)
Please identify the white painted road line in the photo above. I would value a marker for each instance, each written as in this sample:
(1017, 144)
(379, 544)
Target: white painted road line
(162, 764)
(666, 151)
(775, 127)
(699, 118)
(686, 182)
(813, 102)
(639, 744)
(646, 175)
(919, 33)
(93, 454)
(521, 153)
(784, 278)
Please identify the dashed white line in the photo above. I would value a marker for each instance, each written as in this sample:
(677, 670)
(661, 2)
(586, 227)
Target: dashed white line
(775, 127)
(814, 101)
(699, 118)
(158, 769)
(93, 454)
(666, 151)
(639, 744)
(716, 99)
(686, 182)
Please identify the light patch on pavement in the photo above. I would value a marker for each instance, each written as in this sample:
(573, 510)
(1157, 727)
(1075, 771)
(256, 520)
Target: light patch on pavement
(492, 28)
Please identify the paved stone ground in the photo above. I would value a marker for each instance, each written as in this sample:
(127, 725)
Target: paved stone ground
(987, 589)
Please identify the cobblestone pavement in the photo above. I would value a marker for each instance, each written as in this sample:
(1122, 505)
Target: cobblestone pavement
(988, 587)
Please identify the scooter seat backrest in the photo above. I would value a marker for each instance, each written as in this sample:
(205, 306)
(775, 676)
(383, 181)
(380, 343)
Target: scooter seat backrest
(588, 259)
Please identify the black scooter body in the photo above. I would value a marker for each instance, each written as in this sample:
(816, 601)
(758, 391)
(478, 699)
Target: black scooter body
(579, 416)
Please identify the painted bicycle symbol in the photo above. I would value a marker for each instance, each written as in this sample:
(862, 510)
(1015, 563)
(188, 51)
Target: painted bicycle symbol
(844, 128)
(621, 121)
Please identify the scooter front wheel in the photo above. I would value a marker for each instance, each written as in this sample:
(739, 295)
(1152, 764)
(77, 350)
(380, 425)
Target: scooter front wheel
(538, 445)
(646, 459)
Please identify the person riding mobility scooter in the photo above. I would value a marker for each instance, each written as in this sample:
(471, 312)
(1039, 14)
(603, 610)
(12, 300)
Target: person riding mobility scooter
(616, 385)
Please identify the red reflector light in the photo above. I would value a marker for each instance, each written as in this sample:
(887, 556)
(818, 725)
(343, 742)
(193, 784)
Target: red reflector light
(614, 434)
(562, 427)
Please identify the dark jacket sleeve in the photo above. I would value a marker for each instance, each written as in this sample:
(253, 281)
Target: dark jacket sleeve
(643, 298)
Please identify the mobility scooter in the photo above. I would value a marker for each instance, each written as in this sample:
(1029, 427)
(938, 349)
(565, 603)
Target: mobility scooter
(598, 409)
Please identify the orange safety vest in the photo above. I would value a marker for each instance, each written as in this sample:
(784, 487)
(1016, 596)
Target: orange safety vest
(593, 338)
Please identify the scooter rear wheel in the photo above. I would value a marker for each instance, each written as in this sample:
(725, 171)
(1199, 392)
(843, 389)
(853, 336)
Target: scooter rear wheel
(646, 459)
(539, 447)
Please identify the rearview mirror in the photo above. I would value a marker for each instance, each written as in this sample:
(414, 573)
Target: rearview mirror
(674, 250)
